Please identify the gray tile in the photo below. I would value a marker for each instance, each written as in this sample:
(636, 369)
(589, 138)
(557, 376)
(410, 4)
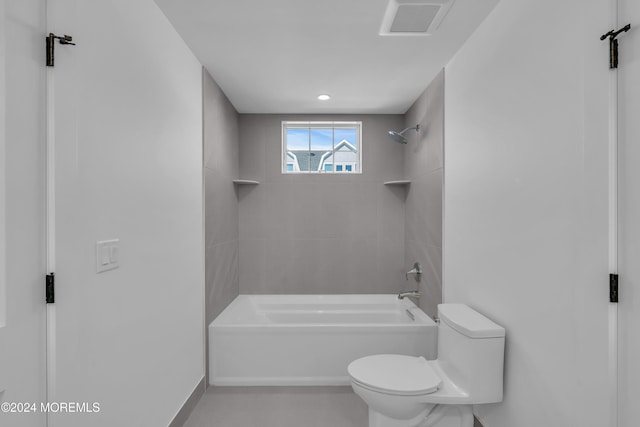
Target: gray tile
(222, 277)
(433, 197)
(416, 150)
(319, 210)
(330, 234)
(271, 138)
(221, 281)
(423, 209)
(319, 234)
(253, 147)
(253, 211)
(416, 210)
(360, 219)
(251, 263)
(221, 154)
(261, 136)
(352, 266)
(430, 258)
(424, 160)
(221, 131)
(279, 407)
(391, 212)
(435, 114)
(383, 159)
(316, 209)
(390, 277)
(295, 266)
(425, 149)
(221, 208)
(320, 266)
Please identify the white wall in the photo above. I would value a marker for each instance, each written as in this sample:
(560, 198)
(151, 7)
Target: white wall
(22, 339)
(128, 166)
(525, 238)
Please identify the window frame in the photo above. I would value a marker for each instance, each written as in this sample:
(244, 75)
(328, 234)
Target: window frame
(284, 154)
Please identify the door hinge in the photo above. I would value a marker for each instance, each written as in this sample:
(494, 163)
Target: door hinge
(613, 288)
(613, 44)
(51, 44)
(50, 288)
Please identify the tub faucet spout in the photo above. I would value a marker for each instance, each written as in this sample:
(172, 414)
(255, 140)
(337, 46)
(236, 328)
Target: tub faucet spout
(413, 294)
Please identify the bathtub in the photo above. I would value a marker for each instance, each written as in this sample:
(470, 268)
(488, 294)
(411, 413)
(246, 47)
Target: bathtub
(279, 340)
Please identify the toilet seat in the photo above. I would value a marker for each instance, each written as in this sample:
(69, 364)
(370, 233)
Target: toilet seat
(395, 374)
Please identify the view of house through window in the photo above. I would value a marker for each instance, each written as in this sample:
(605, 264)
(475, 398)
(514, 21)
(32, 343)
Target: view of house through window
(321, 147)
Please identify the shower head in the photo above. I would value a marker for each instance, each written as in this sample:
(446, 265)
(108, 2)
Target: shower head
(399, 136)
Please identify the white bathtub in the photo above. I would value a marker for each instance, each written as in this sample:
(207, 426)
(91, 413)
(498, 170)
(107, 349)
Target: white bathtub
(310, 339)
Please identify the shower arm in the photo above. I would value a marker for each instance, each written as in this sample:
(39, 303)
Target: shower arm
(416, 127)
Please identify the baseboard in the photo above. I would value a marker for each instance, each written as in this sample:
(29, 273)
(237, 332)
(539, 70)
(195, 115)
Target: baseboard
(191, 402)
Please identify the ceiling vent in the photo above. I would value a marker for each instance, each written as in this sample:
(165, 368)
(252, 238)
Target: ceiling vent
(414, 17)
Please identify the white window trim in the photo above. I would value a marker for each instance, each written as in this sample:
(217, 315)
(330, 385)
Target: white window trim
(323, 159)
(287, 124)
(296, 165)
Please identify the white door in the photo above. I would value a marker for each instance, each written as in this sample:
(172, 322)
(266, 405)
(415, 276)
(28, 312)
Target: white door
(70, 336)
(22, 307)
(127, 157)
(72, 365)
(629, 197)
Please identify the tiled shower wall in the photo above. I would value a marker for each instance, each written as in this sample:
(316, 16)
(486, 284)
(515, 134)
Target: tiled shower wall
(320, 234)
(221, 203)
(424, 166)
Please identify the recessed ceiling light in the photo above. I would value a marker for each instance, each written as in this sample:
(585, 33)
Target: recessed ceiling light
(324, 97)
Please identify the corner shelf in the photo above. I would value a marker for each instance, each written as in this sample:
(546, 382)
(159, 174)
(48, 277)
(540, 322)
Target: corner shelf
(245, 182)
(399, 182)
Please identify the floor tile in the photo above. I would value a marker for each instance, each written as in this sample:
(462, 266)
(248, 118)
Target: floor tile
(279, 407)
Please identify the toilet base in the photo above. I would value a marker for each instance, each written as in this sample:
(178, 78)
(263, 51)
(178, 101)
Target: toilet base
(441, 416)
(376, 419)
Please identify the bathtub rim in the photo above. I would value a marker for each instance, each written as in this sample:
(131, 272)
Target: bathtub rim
(221, 322)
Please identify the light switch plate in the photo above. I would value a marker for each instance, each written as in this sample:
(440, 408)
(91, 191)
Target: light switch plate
(107, 252)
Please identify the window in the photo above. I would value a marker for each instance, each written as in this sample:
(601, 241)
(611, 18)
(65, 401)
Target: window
(321, 147)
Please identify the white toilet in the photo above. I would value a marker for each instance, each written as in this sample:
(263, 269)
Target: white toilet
(407, 391)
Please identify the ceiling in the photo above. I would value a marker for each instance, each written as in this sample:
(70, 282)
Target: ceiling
(277, 56)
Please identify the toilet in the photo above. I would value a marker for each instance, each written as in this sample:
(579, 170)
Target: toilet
(407, 391)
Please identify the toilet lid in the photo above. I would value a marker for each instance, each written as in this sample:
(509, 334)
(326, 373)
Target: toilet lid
(395, 374)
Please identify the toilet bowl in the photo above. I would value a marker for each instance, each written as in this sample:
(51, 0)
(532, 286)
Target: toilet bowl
(407, 391)
(395, 385)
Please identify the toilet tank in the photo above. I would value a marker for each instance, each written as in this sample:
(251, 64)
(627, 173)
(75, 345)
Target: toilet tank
(471, 352)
